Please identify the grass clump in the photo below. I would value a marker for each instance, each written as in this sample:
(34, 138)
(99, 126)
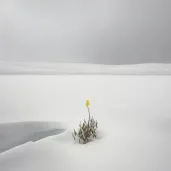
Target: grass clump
(87, 130)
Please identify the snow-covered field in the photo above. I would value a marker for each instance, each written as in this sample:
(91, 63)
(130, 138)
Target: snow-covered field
(83, 68)
(133, 111)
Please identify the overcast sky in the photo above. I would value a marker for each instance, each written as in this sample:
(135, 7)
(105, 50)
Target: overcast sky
(90, 31)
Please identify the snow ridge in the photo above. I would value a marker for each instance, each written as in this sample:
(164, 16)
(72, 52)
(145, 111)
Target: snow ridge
(80, 68)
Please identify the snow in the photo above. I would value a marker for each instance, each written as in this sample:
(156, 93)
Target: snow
(83, 68)
(133, 114)
(15, 134)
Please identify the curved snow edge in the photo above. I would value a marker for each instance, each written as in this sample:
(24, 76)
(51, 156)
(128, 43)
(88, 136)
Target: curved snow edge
(80, 68)
(36, 127)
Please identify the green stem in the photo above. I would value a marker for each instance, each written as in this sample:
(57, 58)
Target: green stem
(89, 116)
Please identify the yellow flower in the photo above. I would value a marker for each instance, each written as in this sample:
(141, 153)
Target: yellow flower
(87, 103)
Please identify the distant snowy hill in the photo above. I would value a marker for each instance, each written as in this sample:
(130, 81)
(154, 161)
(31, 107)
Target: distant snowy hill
(80, 68)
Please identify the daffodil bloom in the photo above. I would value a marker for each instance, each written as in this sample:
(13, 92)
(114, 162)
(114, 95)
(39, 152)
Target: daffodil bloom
(87, 103)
